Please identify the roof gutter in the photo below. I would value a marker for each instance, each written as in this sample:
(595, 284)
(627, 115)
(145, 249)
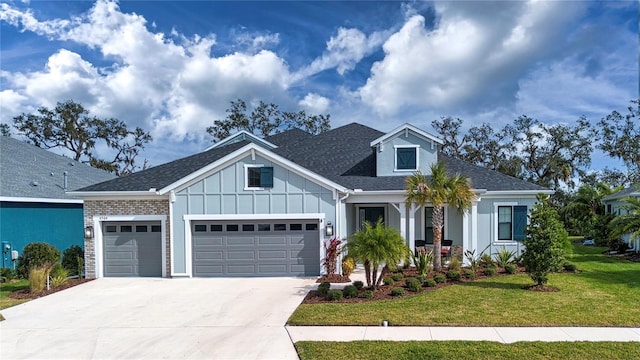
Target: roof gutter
(151, 192)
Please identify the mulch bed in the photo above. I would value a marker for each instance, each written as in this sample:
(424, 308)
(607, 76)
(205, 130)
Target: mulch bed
(335, 278)
(542, 288)
(384, 292)
(25, 294)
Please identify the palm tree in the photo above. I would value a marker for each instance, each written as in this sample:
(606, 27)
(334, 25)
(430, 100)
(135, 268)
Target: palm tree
(439, 189)
(586, 205)
(375, 246)
(628, 223)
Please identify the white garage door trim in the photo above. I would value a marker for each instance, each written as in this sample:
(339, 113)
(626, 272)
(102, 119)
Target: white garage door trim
(98, 241)
(233, 217)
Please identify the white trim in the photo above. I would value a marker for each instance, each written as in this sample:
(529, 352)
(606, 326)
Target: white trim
(171, 248)
(474, 226)
(395, 157)
(241, 132)
(40, 200)
(235, 217)
(402, 127)
(242, 152)
(99, 244)
(128, 194)
(496, 221)
(246, 176)
(517, 193)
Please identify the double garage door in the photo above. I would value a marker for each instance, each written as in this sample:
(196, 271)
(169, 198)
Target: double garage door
(255, 248)
(132, 249)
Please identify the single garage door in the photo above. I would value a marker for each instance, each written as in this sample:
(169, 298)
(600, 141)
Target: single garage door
(256, 248)
(132, 249)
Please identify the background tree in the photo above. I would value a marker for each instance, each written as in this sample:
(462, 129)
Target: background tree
(439, 189)
(545, 243)
(264, 120)
(585, 207)
(620, 139)
(377, 246)
(629, 222)
(70, 126)
(5, 130)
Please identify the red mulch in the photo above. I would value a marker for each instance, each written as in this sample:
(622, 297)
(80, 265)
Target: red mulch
(335, 278)
(542, 288)
(26, 294)
(384, 292)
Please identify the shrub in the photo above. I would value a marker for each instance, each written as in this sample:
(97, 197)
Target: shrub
(439, 278)
(486, 260)
(73, 260)
(601, 232)
(474, 262)
(358, 284)
(323, 288)
(37, 255)
(38, 279)
(455, 264)
(332, 250)
(618, 245)
(421, 279)
(569, 267)
(430, 283)
(350, 291)
(7, 274)
(504, 257)
(545, 241)
(397, 292)
(348, 265)
(388, 281)
(58, 276)
(397, 276)
(368, 294)
(489, 271)
(423, 261)
(334, 295)
(510, 268)
(413, 284)
(469, 274)
(453, 275)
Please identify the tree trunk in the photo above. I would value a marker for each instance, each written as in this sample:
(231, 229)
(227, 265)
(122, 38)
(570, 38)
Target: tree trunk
(374, 275)
(385, 271)
(438, 224)
(367, 272)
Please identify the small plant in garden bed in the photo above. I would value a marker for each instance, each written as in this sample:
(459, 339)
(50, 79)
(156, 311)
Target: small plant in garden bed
(489, 271)
(569, 267)
(367, 294)
(510, 268)
(397, 292)
(469, 274)
(358, 284)
(388, 281)
(397, 276)
(323, 288)
(439, 278)
(350, 291)
(334, 295)
(413, 284)
(453, 275)
(430, 283)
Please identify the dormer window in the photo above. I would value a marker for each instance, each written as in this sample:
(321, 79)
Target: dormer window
(406, 158)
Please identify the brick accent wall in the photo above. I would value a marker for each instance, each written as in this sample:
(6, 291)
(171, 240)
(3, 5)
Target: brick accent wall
(122, 207)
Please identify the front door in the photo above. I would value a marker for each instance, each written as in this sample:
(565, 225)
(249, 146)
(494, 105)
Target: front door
(371, 214)
(428, 221)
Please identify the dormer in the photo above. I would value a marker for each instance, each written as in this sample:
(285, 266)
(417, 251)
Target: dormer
(242, 135)
(404, 150)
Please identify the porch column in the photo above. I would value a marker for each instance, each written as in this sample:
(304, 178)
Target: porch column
(465, 236)
(402, 209)
(474, 226)
(412, 226)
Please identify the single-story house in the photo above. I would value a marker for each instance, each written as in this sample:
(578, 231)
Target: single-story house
(34, 206)
(250, 206)
(614, 204)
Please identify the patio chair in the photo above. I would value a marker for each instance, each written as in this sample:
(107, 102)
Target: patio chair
(420, 245)
(446, 248)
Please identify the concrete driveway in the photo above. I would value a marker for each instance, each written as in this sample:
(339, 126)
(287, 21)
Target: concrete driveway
(145, 318)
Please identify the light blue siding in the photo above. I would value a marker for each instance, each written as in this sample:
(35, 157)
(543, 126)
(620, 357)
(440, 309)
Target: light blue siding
(487, 220)
(223, 192)
(385, 158)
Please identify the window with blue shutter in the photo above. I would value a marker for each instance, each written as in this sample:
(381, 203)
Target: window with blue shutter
(519, 222)
(406, 158)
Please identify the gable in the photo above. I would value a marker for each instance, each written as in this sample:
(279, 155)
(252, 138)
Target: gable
(403, 152)
(242, 135)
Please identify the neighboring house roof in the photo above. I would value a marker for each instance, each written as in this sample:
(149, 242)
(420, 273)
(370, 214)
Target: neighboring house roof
(630, 191)
(27, 171)
(342, 155)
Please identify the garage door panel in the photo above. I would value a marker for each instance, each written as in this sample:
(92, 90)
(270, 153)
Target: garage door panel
(257, 248)
(208, 241)
(209, 255)
(133, 252)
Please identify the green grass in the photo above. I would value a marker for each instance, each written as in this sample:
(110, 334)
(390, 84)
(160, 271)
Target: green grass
(7, 288)
(466, 350)
(606, 292)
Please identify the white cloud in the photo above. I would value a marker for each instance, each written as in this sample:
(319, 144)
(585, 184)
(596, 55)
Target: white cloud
(473, 57)
(315, 103)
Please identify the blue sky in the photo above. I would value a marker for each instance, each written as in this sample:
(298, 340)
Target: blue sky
(172, 67)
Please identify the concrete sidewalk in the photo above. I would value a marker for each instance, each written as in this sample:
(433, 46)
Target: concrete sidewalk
(498, 334)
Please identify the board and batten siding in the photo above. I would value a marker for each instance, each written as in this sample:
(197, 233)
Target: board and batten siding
(386, 157)
(223, 193)
(487, 221)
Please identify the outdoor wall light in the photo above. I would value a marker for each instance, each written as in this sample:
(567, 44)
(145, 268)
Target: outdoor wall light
(328, 230)
(88, 232)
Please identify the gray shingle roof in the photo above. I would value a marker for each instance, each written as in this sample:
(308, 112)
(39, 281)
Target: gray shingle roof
(342, 155)
(630, 191)
(23, 165)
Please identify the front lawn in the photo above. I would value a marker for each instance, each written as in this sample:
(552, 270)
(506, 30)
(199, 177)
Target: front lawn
(606, 292)
(7, 288)
(466, 350)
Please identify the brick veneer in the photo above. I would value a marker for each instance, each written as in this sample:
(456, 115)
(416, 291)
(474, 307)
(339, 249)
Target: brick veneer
(122, 207)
